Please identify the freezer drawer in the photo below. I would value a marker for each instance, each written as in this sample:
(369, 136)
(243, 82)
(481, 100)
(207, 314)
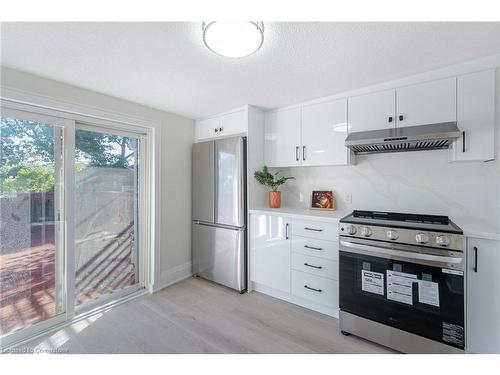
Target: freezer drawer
(219, 255)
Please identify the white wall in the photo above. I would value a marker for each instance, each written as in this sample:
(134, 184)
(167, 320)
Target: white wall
(419, 182)
(173, 159)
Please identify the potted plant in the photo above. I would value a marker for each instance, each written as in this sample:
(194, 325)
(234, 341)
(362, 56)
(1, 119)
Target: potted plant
(272, 181)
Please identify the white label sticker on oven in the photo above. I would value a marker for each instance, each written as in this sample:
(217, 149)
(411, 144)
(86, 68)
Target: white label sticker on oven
(372, 282)
(452, 272)
(428, 293)
(399, 286)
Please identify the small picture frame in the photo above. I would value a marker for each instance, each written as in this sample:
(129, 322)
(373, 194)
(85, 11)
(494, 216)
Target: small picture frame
(322, 200)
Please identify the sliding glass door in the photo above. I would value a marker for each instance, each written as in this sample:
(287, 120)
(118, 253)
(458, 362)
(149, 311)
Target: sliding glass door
(32, 285)
(106, 213)
(73, 221)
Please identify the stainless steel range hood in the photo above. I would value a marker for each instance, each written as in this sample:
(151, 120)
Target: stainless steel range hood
(411, 138)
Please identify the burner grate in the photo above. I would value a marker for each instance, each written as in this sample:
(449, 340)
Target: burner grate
(396, 216)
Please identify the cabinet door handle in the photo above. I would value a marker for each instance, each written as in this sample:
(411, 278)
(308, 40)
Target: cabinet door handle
(297, 153)
(312, 266)
(313, 248)
(316, 290)
(286, 231)
(313, 229)
(303, 152)
(389, 119)
(401, 117)
(475, 259)
(463, 141)
(216, 130)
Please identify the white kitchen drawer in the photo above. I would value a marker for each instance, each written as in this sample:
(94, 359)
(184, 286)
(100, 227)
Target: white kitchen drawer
(315, 229)
(317, 248)
(316, 266)
(315, 288)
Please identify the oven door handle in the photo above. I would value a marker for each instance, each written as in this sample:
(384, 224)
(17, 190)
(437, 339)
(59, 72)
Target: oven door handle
(382, 252)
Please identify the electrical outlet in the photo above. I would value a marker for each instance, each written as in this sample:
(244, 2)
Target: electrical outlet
(348, 198)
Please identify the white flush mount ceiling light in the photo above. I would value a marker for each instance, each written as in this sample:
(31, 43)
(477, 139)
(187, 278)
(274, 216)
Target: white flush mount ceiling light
(233, 39)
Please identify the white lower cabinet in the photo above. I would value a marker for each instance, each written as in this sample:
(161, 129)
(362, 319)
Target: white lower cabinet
(315, 229)
(315, 266)
(315, 247)
(483, 296)
(315, 289)
(270, 251)
(295, 264)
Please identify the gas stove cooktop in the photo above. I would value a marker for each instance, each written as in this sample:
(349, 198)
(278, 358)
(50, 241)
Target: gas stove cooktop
(412, 229)
(433, 223)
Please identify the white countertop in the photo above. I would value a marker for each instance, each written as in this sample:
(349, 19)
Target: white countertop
(485, 235)
(474, 229)
(302, 213)
(335, 216)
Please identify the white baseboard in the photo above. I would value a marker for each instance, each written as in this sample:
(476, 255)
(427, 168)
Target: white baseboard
(173, 275)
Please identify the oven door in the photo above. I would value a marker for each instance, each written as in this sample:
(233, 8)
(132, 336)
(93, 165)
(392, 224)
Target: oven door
(415, 289)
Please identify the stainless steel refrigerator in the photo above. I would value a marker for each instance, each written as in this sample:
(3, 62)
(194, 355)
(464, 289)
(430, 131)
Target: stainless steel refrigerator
(219, 211)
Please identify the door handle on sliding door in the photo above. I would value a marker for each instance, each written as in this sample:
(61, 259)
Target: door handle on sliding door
(475, 259)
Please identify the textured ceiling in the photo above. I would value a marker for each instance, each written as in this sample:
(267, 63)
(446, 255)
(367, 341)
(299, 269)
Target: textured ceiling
(166, 66)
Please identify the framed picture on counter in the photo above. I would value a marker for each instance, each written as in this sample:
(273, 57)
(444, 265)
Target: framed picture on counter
(322, 200)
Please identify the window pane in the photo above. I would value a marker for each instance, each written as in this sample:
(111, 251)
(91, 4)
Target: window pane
(105, 212)
(30, 182)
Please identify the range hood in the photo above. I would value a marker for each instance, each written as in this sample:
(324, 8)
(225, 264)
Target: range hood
(411, 138)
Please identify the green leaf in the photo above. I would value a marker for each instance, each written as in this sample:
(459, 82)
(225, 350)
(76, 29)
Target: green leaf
(269, 180)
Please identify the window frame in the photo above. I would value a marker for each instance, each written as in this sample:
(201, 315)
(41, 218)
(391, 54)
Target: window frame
(68, 115)
(140, 216)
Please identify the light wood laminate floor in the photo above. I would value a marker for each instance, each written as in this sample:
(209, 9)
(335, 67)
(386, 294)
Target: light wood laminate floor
(196, 316)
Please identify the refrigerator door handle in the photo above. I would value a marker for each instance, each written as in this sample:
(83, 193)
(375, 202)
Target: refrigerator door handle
(222, 226)
(215, 182)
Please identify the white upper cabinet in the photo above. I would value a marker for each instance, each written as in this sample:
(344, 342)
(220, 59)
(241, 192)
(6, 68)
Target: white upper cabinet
(372, 111)
(314, 135)
(282, 142)
(483, 296)
(475, 116)
(427, 103)
(208, 128)
(234, 123)
(230, 124)
(324, 130)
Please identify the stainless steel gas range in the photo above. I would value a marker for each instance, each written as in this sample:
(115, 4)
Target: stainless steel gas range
(402, 281)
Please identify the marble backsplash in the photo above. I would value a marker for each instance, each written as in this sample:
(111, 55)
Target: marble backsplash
(417, 182)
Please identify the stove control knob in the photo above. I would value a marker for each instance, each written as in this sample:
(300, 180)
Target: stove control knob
(365, 231)
(422, 238)
(392, 234)
(351, 229)
(443, 241)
